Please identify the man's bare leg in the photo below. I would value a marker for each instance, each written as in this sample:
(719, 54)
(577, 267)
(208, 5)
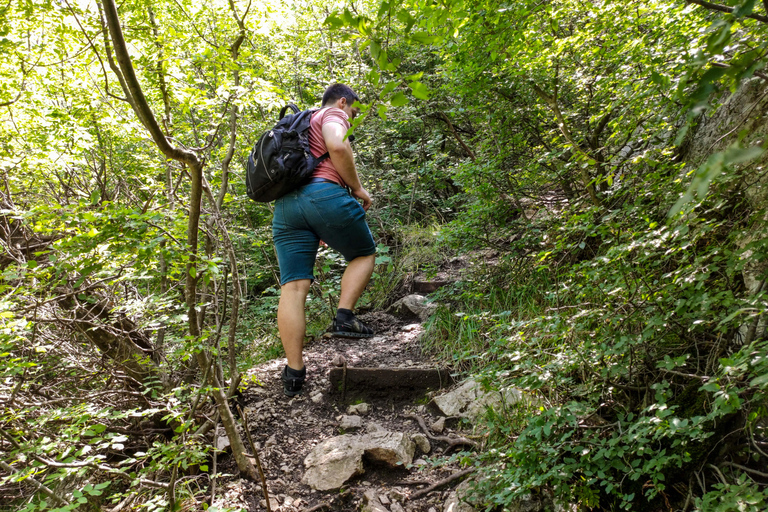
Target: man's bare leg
(291, 320)
(354, 280)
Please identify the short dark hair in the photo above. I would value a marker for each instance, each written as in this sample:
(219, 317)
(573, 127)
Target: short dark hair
(338, 91)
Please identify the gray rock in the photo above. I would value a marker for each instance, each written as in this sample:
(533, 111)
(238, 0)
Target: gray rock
(412, 306)
(372, 503)
(222, 443)
(374, 427)
(469, 400)
(384, 500)
(350, 422)
(361, 409)
(438, 426)
(273, 504)
(396, 507)
(456, 499)
(391, 448)
(422, 442)
(333, 462)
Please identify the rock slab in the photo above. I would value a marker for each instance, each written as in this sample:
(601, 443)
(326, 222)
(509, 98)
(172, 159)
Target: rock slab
(336, 460)
(470, 400)
(412, 306)
(333, 462)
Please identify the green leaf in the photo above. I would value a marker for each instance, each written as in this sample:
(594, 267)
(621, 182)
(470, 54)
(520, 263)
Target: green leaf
(398, 100)
(382, 112)
(419, 90)
(425, 38)
(391, 86)
(375, 49)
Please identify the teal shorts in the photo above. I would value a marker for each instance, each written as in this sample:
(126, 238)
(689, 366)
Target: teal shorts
(318, 211)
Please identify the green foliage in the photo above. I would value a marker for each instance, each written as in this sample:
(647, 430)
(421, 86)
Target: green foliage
(555, 134)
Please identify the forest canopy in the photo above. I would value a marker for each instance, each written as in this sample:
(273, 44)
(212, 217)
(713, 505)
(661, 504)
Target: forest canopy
(610, 155)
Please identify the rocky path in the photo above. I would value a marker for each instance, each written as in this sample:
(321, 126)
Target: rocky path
(392, 477)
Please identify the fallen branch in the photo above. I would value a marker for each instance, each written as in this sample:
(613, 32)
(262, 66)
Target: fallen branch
(413, 482)
(452, 441)
(255, 456)
(39, 486)
(436, 485)
(745, 468)
(319, 506)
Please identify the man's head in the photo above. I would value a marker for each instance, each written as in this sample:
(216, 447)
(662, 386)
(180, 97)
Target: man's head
(341, 96)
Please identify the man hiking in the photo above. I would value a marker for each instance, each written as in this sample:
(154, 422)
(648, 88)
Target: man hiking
(326, 209)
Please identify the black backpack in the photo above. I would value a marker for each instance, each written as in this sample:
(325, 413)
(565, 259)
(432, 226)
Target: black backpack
(281, 160)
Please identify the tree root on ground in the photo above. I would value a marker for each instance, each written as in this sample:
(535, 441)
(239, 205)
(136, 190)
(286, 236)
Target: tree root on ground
(445, 481)
(452, 441)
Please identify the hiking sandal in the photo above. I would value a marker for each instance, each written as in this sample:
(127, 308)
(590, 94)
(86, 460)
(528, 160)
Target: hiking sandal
(292, 384)
(353, 328)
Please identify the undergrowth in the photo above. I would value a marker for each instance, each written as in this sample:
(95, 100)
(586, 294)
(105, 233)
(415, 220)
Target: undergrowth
(642, 347)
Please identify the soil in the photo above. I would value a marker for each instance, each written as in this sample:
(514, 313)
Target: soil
(286, 429)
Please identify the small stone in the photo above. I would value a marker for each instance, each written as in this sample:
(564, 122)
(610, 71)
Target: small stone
(438, 426)
(222, 443)
(421, 442)
(366, 483)
(384, 500)
(397, 494)
(372, 502)
(411, 327)
(317, 397)
(288, 502)
(273, 504)
(396, 507)
(361, 409)
(350, 422)
(419, 462)
(272, 441)
(296, 412)
(372, 427)
(431, 509)
(338, 360)
(285, 468)
(408, 362)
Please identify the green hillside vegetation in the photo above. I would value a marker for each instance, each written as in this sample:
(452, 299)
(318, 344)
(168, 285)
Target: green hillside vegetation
(609, 154)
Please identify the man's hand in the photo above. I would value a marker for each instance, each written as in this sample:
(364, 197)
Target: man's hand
(361, 193)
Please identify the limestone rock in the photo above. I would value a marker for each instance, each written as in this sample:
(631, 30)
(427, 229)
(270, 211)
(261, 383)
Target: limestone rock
(422, 442)
(438, 426)
(350, 422)
(222, 443)
(333, 462)
(374, 427)
(412, 306)
(469, 400)
(456, 499)
(390, 448)
(361, 409)
(372, 503)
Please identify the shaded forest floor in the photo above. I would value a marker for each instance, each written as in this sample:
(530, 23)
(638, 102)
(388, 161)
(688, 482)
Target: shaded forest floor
(286, 429)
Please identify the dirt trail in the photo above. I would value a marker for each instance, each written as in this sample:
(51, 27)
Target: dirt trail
(285, 430)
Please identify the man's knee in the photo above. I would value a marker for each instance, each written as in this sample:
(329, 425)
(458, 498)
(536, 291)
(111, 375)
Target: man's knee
(371, 258)
(297, 287)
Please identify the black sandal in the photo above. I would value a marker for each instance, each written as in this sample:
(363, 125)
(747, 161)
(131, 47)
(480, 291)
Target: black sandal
(353, 328)
(293, 381)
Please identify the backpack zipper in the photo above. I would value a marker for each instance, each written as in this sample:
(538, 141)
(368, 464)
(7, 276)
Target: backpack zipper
(261, 153)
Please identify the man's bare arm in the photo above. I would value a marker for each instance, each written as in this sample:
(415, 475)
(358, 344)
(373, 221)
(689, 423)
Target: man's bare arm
(340, 152)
